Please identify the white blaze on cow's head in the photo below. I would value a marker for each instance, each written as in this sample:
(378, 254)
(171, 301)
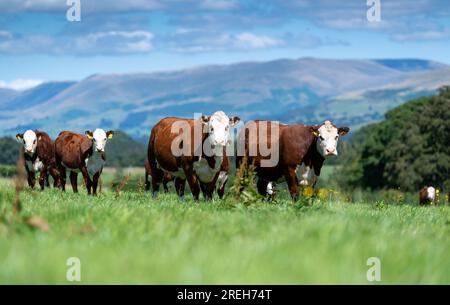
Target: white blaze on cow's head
(29, 140)
(431, 193)
(99, 138)
(218, 127)
(328, 137)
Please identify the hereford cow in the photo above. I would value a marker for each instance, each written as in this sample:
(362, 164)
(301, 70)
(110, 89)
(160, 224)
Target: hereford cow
(148, 173)
(82, 153)
(39, 154)
(427, 195)
(301, 148)
(190, 150)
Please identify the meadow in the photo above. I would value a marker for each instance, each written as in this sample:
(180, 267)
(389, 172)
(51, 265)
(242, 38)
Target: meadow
(128, 237)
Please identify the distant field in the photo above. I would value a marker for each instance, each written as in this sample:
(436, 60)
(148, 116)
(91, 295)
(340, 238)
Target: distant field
(134, 239)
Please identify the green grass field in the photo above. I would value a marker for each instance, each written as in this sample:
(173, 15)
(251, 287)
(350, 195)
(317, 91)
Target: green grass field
(134, 239)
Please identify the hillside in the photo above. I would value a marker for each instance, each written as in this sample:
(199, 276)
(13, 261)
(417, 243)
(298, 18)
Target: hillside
(353, 92)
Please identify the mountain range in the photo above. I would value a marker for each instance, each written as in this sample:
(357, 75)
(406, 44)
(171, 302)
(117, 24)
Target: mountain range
(309, 90)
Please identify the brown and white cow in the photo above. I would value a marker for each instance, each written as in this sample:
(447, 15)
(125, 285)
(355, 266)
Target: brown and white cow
(39, 154)
(427, 195)
(300, 148)
(148, 173)
(82, 153)
(190, 150)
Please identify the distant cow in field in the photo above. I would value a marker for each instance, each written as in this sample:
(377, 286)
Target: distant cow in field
(39, 154)
(427, 195)
(82, 153)
(148, 173)
(198, 162)
(301, 148)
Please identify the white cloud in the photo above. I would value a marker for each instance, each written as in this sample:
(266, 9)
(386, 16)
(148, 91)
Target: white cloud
(20, 84)
(252, 41)
(218, 4)
(422, 35)
(115, 41)
(108, 42)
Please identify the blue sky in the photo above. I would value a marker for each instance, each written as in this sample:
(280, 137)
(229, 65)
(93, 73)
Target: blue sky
(38, 43)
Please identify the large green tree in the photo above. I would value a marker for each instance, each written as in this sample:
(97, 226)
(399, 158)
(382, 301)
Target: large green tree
(409, 149)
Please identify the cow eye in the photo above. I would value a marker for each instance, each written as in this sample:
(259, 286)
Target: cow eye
(337, 137)
(34, 142)
(212, 129)
(322, 138)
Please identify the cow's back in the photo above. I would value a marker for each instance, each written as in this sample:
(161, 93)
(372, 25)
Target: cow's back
(45, 148)
(293, 144)
(161, 139)
(72, 148)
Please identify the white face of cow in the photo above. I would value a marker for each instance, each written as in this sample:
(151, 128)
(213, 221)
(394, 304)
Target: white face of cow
(99, 137)
(29, 140)
(218, 127)
(327, 138)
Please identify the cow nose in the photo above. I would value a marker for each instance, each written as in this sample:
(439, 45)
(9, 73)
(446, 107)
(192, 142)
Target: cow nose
(331, 150)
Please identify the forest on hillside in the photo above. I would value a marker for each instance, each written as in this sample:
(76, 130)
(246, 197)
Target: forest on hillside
(408, 150)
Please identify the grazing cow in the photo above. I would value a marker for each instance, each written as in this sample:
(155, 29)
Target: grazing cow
(82, 153)
(427, 195)
(301, 148)
(148, 173)
(39, 154)
(201, 143)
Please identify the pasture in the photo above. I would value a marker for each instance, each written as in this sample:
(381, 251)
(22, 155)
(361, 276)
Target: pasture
(131, 238)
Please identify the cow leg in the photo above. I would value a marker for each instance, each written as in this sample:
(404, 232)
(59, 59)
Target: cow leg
(261, 185)
(165, 182)
(74, 182)
(157, 178)
(210, 190)
(147, 182)
(203, 187)
(62, 178)
(87, 180)
(95, 183)
(222, 181)
(192, 181)
(43, 178)
(31, 177)
(292, 182)
(180, 185)
(221, 191)
(55, 175)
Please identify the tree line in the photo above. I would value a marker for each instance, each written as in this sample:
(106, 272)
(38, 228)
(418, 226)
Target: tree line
(408, 150)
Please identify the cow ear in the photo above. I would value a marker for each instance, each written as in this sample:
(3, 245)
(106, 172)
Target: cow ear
(314, 130)
(205, 119)
(234, 121)
(110, 134)
(19, 137)
(39, 138)
(89, 134)
(342, 131)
